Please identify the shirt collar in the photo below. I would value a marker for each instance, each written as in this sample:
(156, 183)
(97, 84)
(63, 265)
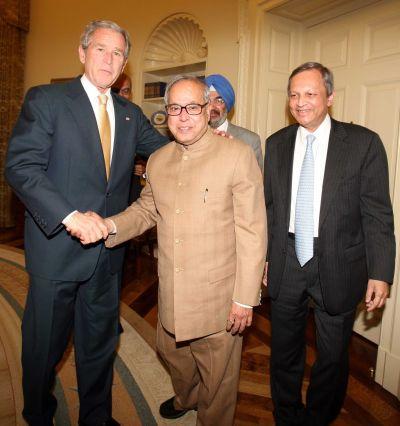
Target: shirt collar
(323, 129)
(224, 126)
(91, 90)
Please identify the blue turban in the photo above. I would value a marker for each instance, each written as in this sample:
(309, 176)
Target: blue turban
(223, 87)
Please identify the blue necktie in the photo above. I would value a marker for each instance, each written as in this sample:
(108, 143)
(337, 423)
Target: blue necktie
(304, 216)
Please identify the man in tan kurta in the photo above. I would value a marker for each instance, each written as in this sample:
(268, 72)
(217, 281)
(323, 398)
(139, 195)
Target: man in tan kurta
(205, 194)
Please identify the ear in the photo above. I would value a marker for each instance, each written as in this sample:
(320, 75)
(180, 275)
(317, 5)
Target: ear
(82, 54)
(123, 66)
(330, 99)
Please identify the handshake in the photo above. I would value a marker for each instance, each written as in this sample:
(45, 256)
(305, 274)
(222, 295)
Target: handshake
(89, 227)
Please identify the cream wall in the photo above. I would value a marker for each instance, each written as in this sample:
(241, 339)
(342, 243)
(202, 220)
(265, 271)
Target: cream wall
(56, 26)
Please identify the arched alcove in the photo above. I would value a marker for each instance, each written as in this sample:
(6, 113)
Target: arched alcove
(176, 46)
(178, 40)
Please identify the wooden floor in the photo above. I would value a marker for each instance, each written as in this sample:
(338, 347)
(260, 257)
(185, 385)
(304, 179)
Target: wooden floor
(366, 404)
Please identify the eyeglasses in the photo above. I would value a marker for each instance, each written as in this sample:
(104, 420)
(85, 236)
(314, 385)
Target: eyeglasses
(191, 109)
(218, 100)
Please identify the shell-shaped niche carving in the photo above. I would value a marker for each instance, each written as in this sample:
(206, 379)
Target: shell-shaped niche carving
(177, 40)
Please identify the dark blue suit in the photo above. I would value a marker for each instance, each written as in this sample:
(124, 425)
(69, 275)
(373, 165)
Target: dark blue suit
(55, 165)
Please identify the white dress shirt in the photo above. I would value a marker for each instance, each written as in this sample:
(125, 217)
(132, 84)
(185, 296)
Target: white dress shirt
(93, 95)
(320, 150)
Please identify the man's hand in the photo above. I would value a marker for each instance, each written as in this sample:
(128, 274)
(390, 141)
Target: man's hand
(265, 276)
(239, 318)
(107, 222)
(89, 229)
(377, 293)
(223, 134)
(139, 169)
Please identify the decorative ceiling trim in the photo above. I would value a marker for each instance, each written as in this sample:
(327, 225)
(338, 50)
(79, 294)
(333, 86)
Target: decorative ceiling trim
(178, 40)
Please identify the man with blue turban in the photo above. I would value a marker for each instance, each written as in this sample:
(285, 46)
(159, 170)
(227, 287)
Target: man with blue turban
(222, 99)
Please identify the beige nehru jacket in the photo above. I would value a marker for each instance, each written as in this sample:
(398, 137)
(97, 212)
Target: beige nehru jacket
(208, 203)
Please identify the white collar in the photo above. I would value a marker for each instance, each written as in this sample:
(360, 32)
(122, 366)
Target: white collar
(91, 90)
(224, 126)
(323, 129)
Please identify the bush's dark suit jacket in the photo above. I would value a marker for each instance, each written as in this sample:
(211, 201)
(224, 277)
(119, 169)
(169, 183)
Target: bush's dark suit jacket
(55, 165)
(356, 240)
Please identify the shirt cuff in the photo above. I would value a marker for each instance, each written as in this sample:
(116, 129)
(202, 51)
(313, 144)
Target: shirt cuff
(114, 229)
(242, 305)
(67, 218)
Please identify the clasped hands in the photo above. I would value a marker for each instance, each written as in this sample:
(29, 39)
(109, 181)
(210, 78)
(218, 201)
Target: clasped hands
(89, 227)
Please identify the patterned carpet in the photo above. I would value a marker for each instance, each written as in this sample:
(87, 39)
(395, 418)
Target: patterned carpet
(140, 381)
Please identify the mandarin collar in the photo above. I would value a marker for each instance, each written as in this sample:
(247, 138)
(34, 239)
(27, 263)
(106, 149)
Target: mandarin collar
(202, 143)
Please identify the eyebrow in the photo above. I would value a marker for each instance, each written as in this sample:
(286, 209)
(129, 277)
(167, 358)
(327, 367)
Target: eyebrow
(98, 44)
(189, 103)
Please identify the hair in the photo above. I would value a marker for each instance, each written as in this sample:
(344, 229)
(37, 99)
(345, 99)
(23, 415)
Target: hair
(118, 82)
(90, 28)
(326, 75)
(196, 80)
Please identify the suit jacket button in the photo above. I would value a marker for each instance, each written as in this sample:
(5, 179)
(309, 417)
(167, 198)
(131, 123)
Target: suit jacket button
(108, 194)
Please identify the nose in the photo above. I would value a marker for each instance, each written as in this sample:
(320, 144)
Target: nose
(107, 57)
(183, 116)
(301, 100)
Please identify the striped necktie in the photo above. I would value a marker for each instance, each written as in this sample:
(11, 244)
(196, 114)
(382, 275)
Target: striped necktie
(304, 216)
(105, 131)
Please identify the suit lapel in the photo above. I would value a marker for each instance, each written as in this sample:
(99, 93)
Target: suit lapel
(231, 129)
(83, 113)
(120, 137)
(335, 166)
(285, 156)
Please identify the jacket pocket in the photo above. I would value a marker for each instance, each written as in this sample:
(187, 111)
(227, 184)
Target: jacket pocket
(354, 252)
(222, 272)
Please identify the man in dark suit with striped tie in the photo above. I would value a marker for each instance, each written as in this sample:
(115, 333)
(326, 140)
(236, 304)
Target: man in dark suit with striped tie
(331, 240)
